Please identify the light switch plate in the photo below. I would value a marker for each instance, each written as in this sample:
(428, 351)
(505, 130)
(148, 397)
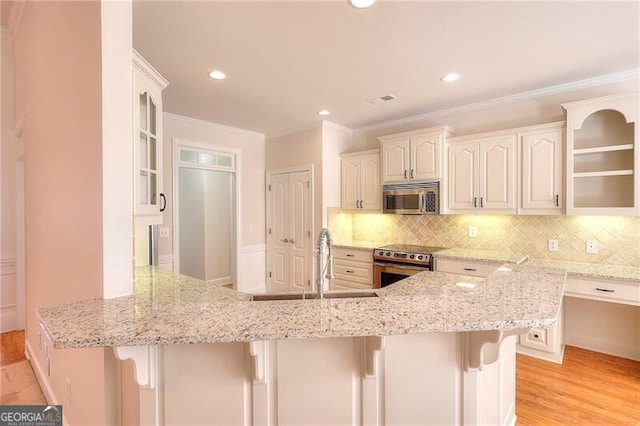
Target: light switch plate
(164, 232)
(473, 232)
(553, 245)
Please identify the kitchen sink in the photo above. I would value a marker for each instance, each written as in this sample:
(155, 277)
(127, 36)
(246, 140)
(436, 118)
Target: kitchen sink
(301, 296)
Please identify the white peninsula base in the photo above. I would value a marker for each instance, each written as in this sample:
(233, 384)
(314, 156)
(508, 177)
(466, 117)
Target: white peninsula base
(456, 378)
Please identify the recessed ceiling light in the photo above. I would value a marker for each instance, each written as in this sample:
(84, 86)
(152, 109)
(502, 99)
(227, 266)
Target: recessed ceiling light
(324, 112)
(452, 76)
(362, 4)
(217, 75)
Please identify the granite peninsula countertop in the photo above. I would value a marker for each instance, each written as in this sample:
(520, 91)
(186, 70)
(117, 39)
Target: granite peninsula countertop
(591, 270)
(482, 255)
(169, 309)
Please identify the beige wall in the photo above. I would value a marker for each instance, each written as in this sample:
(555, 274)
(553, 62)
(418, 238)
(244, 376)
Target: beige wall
(252, 176)
(336, 140)
(58, 90)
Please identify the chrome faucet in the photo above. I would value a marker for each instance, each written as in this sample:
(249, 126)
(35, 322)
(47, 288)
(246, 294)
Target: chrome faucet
(327, 271)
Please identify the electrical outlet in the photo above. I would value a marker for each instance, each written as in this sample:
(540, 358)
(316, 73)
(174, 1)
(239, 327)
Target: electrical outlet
(164, 232)
(591, 246)
(553, 245)
(473, 232)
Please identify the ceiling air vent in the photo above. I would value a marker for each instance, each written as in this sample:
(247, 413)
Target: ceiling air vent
(385, 98)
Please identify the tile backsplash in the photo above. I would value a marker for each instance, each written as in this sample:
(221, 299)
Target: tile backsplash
(617, 237)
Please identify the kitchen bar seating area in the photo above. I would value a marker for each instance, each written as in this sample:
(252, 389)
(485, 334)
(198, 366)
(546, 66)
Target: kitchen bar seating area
(218, 213)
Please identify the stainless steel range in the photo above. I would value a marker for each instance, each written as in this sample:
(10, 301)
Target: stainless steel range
(393, 263)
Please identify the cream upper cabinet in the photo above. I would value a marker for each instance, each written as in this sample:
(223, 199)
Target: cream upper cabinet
(149, 202)
(360, 183)
(481, 174)
(603, 157)
(542, 169)
(415, 155)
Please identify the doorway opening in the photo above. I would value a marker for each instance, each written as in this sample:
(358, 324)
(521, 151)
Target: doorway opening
(205, 212)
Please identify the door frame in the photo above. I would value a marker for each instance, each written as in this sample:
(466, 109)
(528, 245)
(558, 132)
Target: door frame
(177, 144)
(286, 170)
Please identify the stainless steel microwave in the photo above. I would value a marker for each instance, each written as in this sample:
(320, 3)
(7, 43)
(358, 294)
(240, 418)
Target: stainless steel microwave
(411, 198)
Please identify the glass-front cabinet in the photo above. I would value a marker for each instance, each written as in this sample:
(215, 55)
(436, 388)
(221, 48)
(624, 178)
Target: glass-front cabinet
(149, 202)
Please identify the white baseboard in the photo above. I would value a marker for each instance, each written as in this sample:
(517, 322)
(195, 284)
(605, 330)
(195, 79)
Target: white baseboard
(41, 376)
(622, 350)
(545, 356)
(220, 281)
(8, 318)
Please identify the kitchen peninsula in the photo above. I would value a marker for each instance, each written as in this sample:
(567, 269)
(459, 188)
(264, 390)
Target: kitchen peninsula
(435, 348)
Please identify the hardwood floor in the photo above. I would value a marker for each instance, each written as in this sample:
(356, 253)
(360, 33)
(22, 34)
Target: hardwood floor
(589, 388)
(11, 347)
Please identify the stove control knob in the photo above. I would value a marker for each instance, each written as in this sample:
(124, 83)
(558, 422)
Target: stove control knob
(380, 253)
(412, 256)
(420, 257)
(389, 254)
(396, 254)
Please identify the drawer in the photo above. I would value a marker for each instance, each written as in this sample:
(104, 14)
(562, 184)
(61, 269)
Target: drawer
(604, 290)
(359, 255)
(353, 271)
(464, 267)
(338, 284)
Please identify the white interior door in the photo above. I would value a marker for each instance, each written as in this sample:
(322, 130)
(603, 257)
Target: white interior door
(289, 231)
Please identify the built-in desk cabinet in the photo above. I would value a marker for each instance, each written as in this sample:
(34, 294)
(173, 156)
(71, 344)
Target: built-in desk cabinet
(603, 158)
(149, 202)
(353, 268)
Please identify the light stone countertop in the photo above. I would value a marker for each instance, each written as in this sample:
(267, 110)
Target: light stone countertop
(370, 245)
(591, 270)
(172, 309)
(482, 255)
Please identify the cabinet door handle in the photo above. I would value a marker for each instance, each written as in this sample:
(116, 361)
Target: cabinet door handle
(405, 174)
(286, 240)
(470, 269)
(605, 290)
(164, 202)
(349, 271)
(481, 201)
(475, 202)
(292, 242)
(412, 175)
(557, 200)
(349, 255)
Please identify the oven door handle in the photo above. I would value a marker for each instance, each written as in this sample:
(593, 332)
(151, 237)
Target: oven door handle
(390, 266)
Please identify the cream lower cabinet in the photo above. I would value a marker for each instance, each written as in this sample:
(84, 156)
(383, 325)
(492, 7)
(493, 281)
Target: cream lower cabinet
(482, 175)
(353, 268)
(360, 185)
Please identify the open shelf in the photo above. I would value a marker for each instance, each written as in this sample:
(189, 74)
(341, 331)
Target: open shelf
(604, 173)
(599, 149)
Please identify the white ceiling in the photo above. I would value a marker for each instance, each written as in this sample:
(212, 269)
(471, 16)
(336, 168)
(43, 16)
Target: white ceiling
(285, 61)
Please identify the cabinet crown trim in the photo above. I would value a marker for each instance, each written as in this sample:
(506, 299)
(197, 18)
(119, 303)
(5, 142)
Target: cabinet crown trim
(437, 129)
(512, 131)
(147, 69)
(359, 153)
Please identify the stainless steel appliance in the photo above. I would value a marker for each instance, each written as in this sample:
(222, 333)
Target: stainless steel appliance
(411, 198)
(396, 262)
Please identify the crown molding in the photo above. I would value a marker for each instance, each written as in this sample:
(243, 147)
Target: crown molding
(293, 130)
(618, 77)
(210, 124)
(326, 123)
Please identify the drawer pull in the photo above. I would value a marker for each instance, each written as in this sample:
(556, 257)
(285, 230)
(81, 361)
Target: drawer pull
(605, 290)
(349, 255)
(349, 271)
(470, 269)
